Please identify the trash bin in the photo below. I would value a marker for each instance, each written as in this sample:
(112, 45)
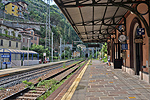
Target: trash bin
(118, 63)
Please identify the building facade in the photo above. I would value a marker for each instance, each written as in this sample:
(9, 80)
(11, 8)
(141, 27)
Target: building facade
(34, 37)
(16, 8)
(135, 57)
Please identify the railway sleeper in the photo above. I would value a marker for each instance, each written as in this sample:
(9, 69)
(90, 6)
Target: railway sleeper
(25, 98)
(38, 92)
(31, 94)
(39, 89)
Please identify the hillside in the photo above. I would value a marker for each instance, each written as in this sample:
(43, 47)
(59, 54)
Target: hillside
(38, 9)
(37, 13)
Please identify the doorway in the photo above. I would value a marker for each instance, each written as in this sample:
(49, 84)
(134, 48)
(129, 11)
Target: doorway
(136, 49)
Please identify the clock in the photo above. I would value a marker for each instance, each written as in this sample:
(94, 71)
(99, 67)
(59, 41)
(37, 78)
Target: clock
(122, 38)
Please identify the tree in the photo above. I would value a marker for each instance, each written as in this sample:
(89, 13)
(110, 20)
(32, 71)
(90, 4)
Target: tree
(40, 50)
(104, 50)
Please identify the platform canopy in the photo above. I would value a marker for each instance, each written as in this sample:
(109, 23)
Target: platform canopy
(15, 51)
(94, 20)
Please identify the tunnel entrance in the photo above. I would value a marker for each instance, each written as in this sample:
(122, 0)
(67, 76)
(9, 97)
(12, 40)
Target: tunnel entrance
(86, 55)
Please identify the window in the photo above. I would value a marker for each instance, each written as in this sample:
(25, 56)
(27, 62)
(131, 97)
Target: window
(13, 10)
(35, 38)
(31, 43)
(23, 39)
(13, 7)
(31, 33)
(16, 44)
(8, 32)
(1, 42)
(9, 43)
(31, 38)
(20, 8)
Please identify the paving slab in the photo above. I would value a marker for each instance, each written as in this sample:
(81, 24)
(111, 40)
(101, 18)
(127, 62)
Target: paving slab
(102, 82)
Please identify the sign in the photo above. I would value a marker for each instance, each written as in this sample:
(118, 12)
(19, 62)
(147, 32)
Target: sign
(120, 27)
(138, 40)
(6, 62)
(124, 46)
(146, 63)
(44, 54)
(5, 56)
(140, 31)
(93, 45)
(122, 38)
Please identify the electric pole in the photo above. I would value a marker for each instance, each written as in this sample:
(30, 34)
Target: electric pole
(60, 48)
(52, 46)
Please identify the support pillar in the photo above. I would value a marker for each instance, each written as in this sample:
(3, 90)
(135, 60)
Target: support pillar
(38, 56)
(23, 56)
(149, 61)
(32, 56)
(96, 52)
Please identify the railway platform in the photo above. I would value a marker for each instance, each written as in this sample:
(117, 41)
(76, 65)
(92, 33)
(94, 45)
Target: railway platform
(20, 69)
(102, 82)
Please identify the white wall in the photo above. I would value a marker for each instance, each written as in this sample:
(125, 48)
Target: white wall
(30, 62)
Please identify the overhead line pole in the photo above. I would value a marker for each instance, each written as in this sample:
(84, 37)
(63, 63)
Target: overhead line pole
(49, 27)
(46, 29)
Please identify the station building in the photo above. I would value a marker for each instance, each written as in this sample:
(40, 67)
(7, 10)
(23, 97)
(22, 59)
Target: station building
(123, 24)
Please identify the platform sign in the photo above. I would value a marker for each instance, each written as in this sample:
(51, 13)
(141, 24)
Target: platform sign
(138, 40)
(140, 31)
(124, 46)
(5, 56)
(120, 27)
(44, 54)
(6, 62)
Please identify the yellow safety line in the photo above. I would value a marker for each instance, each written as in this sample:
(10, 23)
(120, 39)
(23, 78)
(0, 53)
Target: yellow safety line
(73, 87)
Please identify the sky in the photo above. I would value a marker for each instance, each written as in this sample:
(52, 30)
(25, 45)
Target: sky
(51, 3)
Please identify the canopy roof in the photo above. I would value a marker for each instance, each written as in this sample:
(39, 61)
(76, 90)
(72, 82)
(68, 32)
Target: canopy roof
(93, 20)
(15, 51)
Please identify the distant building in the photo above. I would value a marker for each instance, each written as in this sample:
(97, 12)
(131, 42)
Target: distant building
(4, 1)
(65, 46)
(25, 38)
(28, 35)
(34, 37)
(15, 8)
(83, 47)
(9, 37)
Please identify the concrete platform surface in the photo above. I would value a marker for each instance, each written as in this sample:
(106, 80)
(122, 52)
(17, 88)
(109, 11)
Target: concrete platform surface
(101, 82)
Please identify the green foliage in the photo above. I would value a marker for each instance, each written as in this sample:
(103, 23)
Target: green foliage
(64, 65)
(28, 84)
(1, 88)
(104, 59)
(47, 83)
(39, 79)
(38, 9)
(104, 50)
(13, 33)
(39, 49)
(54, 86)
(95, 54)
(6, 31)
(19, 35)
(2, 6)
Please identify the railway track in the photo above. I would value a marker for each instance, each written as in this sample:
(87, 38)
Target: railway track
(17, 79)
(32, 94)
